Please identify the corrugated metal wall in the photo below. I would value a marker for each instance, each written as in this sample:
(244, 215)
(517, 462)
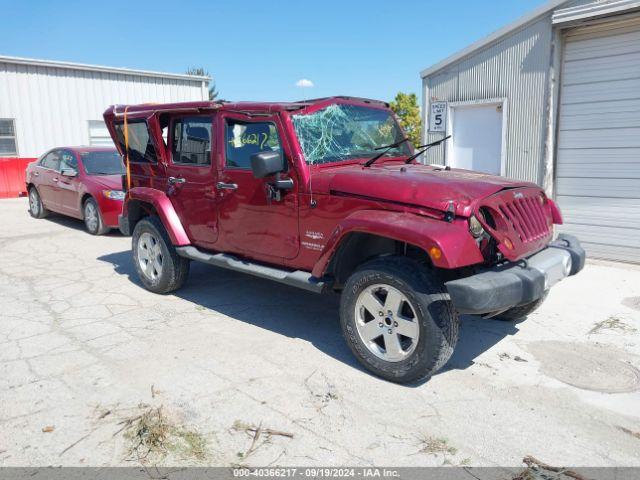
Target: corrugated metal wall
(53, 106)
(516, 68)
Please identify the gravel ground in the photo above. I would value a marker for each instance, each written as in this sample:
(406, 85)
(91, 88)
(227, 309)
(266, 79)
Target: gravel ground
(85, 351)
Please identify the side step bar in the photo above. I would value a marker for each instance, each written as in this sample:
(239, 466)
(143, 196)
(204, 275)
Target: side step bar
(297, 278)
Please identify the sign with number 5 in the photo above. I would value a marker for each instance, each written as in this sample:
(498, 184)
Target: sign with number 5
(438, 117)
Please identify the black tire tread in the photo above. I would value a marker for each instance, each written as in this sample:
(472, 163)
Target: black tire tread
(432, 293)
(43, 211)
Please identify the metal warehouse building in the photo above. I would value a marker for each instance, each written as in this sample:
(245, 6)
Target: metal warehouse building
(44, 104)
(555, 99)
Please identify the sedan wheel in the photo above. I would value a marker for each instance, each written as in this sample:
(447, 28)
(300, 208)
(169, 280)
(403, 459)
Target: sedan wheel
(34, 202)
(387, 322)
(91, 216)
(150, 256)
(36, 208)
(92, 219)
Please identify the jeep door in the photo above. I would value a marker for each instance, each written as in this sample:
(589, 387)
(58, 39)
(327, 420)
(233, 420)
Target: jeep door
(252, 222)
(191, 176)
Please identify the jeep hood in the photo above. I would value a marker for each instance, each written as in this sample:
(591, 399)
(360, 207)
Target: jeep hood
(415, 185)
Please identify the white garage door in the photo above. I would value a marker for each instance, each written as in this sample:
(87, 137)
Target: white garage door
(598, 167)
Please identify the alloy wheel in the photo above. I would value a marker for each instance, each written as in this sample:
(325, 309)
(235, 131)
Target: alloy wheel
(387, 322)
(150, 256)
(91, 216)
(34, 203)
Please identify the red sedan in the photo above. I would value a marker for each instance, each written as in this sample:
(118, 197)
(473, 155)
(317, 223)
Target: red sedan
(81, 182)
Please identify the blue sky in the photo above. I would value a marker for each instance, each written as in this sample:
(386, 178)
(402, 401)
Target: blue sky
(258, 50)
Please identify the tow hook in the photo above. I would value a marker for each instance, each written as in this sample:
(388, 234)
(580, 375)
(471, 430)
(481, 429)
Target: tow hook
(450, 214)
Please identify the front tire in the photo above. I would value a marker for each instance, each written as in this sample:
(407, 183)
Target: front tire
(93, 218)
(159, 267)
(36, 207)
(398, 320)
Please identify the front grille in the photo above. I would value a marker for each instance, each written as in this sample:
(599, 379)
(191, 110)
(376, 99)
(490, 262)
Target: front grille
(528, 218)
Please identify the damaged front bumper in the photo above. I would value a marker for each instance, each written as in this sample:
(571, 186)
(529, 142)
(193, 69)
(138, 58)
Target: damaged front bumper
(518, 283)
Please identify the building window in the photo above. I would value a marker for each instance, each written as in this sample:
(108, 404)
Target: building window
(98, 134)
(8, 146)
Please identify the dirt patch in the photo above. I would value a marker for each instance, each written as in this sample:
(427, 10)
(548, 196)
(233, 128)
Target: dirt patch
(632, 302)
(629, 432)
(596, 367)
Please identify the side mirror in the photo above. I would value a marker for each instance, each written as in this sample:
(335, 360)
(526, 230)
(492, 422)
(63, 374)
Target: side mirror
(69, 172)
(265, 164)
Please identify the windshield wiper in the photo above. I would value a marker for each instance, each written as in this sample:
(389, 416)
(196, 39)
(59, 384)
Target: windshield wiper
(424, 148)
(386, 149)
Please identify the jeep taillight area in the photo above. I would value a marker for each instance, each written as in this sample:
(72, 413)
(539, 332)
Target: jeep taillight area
(328, 195)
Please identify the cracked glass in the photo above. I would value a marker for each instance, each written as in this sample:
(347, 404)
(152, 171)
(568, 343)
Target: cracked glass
(342, 132)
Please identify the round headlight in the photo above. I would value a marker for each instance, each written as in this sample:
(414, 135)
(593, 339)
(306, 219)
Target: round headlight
(475, 227)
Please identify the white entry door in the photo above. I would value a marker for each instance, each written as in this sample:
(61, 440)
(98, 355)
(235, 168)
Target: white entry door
(476, 142)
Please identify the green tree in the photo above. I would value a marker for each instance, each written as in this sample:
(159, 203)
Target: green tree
(213, 93)
(405, 105)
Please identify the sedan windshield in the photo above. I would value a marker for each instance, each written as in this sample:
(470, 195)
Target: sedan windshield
(344, 132)
(103, 163)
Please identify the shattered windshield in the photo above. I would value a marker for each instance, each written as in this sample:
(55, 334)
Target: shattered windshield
(344, 132)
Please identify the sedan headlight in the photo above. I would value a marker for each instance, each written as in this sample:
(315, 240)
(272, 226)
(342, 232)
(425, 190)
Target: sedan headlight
(475, 227)
(114, 194)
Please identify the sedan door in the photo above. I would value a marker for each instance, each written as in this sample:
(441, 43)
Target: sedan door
(47, 179)
(68, 186)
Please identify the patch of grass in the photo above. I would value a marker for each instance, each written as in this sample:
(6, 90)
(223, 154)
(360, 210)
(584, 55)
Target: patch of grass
(435, 446)
(154, 436)
(612, 323)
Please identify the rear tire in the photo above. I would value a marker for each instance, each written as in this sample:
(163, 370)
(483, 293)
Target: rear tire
(93, 218)
(406, 343)
(521, 311)
(159, 267)
(36, 207)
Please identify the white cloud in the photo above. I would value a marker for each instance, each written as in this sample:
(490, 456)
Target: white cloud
(304, 83)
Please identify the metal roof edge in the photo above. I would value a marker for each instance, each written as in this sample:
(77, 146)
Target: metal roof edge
(582, 12)
(100, 68)
(527, 18)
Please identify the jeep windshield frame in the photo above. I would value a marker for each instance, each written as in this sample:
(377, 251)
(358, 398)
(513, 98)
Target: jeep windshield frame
(345, 132)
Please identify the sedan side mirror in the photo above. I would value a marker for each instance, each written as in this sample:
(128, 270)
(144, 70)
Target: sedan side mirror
(265, 164)
(69, 172)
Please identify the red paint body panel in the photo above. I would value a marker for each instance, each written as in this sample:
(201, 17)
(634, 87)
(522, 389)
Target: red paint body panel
(162, 204)
(65, 195)
(454, 240)
(407, 203)
(13, 176)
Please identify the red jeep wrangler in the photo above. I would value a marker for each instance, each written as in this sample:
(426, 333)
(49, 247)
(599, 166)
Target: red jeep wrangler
(326, 195)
